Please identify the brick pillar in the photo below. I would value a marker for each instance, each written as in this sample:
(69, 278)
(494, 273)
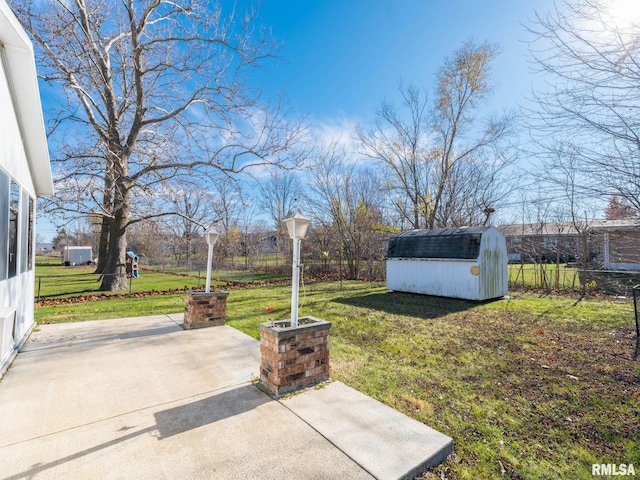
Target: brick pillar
(293, 358)
(203, 309)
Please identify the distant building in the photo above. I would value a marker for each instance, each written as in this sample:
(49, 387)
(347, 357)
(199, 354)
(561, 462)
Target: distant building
(610, 244)
(44, 247)
(25, 173)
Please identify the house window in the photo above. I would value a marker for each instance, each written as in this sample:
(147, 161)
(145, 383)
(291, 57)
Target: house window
(30, 235)
(26, 235)
(4, 224)
(14, 204)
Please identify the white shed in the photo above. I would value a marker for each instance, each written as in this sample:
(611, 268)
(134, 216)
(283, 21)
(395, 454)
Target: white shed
(25, 173)
(468, 263)
(77, 255)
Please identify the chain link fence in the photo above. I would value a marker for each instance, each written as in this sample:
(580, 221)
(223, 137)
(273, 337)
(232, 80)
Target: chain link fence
(226, 271)
(183, 274)
(542, 276)
(571, 278)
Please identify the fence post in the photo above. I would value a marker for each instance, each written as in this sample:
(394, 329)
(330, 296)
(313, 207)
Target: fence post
(635, 309)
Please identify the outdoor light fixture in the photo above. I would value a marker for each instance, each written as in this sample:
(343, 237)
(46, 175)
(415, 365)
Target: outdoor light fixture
(211, 236)
(297, 227)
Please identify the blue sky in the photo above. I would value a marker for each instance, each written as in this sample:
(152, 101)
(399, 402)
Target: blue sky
(340, 59)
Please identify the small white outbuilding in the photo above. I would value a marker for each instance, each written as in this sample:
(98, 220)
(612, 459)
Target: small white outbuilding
(80, 255)
(469, 263)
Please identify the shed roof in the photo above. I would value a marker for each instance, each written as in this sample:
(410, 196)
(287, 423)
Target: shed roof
(455, 243)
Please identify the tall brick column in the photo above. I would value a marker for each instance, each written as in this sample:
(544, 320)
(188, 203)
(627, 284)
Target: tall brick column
(203, 309)
(293, 358)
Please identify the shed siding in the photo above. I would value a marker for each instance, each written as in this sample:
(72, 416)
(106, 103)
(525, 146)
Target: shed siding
(445, 278)
(481, 277)
(494, 281)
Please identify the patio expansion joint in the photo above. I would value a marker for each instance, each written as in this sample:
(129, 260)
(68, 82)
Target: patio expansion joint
(282, 402)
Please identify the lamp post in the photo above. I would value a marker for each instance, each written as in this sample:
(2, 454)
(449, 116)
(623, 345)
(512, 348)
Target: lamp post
(211, 236)
(297, 227)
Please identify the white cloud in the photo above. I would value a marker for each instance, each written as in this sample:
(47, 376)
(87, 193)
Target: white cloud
(336, 131)
(339, 132)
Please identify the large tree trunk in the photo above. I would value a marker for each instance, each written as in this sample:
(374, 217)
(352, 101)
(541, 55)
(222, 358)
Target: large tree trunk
(103, 246)
(114, 274)
(107, 204)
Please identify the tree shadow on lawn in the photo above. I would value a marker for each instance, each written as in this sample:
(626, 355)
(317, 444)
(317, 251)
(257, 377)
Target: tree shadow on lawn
(411, 304)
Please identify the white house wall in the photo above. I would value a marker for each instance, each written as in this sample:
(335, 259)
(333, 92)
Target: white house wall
(13, 158)
(24, 159)
(17, 293)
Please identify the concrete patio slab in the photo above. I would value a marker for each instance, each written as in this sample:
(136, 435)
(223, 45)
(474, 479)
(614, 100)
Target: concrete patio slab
(143, 398)
(385, 442)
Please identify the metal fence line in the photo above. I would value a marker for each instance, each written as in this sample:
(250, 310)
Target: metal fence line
(547, 277)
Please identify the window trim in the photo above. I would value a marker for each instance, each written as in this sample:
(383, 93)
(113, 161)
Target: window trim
(13, 237)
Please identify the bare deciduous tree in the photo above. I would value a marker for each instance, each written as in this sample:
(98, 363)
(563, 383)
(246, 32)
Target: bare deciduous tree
(434, 150)
(193, 205)
(400, 139)
(463, 85)
(346, 209)
(588, 106)
(475, 189)
(152, 89)
(279, 194)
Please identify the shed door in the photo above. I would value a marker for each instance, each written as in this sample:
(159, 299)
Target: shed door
(493, 268)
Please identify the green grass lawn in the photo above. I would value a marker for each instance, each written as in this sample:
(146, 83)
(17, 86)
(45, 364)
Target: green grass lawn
(53, 280)
(42, 260)
(544, 276)
(57, 281)
(548, 276)
(528, 387)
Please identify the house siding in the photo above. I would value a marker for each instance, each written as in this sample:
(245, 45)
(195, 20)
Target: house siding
(611, 244)
(25, 172)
